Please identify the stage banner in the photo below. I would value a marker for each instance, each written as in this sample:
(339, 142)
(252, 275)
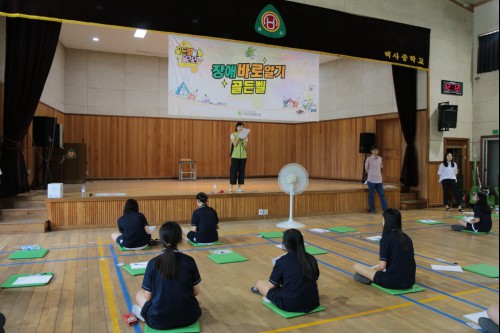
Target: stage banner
(227, 80)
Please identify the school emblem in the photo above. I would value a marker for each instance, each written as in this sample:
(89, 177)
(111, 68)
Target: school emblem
(269, 23)
(71, 154)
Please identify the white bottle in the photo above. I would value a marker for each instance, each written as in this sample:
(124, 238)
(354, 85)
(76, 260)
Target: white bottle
(83, 191)
(215, 188)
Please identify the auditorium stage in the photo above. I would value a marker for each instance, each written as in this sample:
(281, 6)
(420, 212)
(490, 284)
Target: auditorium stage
(166, 199)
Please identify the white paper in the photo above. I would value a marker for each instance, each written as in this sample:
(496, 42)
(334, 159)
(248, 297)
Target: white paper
(428, 221)
(319, 230)
(468, 213)
(455, 268)
(374, 238)
(152, 228)
(474, 317)
(468, 218)
(32, 279)
(221, 251)
(138, 265)
(244, 133)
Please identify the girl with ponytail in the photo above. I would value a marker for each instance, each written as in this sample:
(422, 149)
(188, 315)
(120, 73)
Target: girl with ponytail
(481, 222)
(170, 285)
(204, 223)
(397, 267)
(293, 282)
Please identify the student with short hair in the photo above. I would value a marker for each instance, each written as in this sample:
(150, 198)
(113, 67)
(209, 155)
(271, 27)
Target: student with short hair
(204, 222)
(293, 283)
(133, 226)
(170, 285)
(373, 167)
(481, 222)
(397, 267)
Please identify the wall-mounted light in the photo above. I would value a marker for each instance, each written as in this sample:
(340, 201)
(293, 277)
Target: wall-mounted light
(95, 39)
(140, 33)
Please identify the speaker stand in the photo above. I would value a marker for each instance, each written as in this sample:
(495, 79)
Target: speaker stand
(46, 176)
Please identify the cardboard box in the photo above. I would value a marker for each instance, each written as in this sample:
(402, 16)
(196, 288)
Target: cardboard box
(55, 190)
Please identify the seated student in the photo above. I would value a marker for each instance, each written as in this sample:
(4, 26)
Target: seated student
(204, 223)
(397, 267)
(293, 283)
(133, 226)
(482, 216)
(2, 319)
(490, 324)
(170, 285)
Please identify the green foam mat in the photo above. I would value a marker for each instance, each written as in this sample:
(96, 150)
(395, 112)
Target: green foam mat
(203, 244)
(226, 258)
(483, 269)
(494, 215)
(127, 249)
(194, 328)
(28, 254)
(477, 233)
(287, 314)
(134, 272)
(343, 229)
(271, 234)
(312, 250)
(430, 222)
(415, 289)
(459, 217)
(10, 281)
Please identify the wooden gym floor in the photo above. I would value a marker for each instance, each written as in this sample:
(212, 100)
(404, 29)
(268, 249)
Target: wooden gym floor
(90, 292)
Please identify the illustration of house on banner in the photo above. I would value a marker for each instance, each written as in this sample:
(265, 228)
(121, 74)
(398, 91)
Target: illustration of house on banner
(182, 90)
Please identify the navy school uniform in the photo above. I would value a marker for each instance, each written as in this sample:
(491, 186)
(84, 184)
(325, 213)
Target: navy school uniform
(131, 225)
(293, 291)
(401, 267)
(205, 219)
(173, 303)
(484, 224)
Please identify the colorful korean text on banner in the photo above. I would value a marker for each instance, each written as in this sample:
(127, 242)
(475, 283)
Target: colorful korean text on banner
(226, 80)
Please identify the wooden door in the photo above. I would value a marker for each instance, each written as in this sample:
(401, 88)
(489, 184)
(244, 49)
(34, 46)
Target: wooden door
(460, 149)
(389, 142)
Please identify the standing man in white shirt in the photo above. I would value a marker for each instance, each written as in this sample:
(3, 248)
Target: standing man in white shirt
(373, 166)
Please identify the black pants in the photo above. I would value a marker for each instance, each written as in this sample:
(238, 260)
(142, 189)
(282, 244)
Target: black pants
(237, 171)
(447, 184)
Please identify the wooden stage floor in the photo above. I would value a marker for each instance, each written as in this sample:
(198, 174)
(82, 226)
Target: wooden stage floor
(162, 200)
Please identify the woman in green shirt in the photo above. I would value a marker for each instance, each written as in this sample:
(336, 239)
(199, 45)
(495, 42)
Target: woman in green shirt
(238, 158)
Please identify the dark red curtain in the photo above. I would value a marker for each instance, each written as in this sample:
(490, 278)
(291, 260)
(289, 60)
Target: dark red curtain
(30, 49)
(405, 88)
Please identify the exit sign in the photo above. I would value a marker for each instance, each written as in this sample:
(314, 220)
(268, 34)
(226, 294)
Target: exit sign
(495, 132)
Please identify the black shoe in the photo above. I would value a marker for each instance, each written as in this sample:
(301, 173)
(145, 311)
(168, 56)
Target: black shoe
(361, 278)
(154, 242)
(488, 325)
(447, 209)
(457, 227)
(255, 290)
(460, 209)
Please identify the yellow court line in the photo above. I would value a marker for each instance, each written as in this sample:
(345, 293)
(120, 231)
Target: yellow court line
(107, 288)
(364, 313)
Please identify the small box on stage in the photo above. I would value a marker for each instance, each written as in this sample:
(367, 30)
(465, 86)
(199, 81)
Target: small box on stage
(55, 190)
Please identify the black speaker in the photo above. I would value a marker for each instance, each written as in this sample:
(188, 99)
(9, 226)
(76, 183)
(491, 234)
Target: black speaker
(447, 117)
(366, 141)
(44, 129)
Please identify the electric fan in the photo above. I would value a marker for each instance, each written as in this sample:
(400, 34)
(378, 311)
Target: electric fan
(293, 179)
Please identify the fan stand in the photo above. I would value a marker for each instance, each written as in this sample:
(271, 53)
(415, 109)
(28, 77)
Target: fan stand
(290, 224)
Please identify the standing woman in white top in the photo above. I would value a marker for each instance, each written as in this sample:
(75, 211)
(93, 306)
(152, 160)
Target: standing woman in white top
(447, 172)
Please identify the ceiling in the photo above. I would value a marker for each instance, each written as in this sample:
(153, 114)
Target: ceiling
(121, 40)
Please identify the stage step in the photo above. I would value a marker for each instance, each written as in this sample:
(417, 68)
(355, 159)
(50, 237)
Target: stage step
(12, 214)
(24, 226)
(413, 204)
(23, 202)
(407, 196)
